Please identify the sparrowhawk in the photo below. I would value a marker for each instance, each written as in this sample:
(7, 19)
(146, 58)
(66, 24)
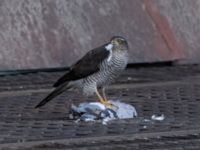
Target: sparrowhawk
(94, 71)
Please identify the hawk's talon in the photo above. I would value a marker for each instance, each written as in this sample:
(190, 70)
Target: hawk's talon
(109, 105)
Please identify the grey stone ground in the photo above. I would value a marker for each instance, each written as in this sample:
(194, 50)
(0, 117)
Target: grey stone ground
(172, 91)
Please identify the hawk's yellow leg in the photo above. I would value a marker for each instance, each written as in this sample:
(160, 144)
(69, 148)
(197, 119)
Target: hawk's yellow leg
(103, 99)
(100, 97)
(104, 95)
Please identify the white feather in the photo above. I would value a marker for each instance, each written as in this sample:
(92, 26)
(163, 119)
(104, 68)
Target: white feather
(109, 48)
(158, 118)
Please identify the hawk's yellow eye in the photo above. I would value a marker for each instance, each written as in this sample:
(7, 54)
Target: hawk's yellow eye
(119, 41)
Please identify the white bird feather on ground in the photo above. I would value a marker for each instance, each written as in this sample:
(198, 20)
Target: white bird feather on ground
(158, 117)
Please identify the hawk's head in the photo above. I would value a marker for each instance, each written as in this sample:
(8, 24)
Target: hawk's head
(119, 43)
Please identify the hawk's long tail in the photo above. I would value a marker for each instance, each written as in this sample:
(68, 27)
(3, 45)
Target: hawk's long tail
(53, 94)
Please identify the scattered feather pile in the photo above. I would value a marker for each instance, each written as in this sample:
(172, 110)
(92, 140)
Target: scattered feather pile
(95, 111)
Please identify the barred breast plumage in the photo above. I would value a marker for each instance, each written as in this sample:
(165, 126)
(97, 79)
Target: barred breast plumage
(109, 71)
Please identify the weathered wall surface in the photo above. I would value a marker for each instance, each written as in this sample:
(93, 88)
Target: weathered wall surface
(183, 17)
(55, 33)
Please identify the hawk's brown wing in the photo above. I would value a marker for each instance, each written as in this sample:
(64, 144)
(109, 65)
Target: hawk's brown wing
(86, 66)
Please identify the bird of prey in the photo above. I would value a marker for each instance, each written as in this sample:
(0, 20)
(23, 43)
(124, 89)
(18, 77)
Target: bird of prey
(94, 71)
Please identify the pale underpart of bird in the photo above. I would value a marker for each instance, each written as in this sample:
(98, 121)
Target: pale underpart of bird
(94, 71)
